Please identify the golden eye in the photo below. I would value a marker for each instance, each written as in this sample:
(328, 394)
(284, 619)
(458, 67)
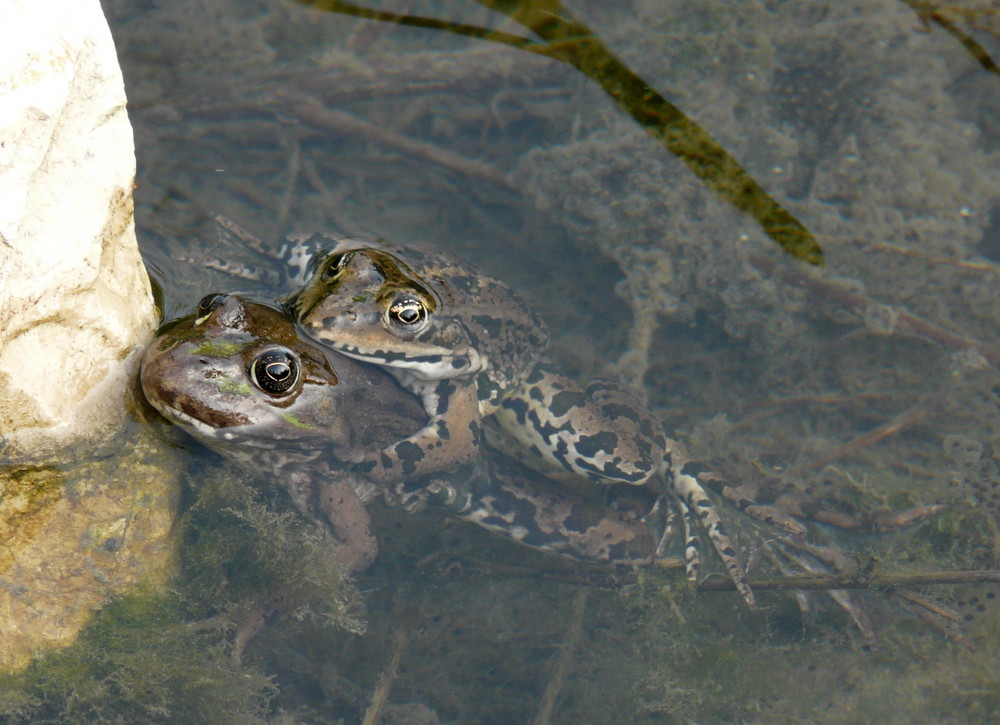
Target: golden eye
(407, 312)
(275, 371)
(208, 304)
(335, 265)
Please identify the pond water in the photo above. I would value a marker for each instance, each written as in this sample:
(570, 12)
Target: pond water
(870, 382)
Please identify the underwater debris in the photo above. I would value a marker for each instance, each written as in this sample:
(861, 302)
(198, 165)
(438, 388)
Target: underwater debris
(570, 41)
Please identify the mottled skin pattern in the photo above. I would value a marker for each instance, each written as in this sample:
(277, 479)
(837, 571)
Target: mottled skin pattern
(456, 338)
(469, 340)
(238, 377)
(601, 432)
(452, 336)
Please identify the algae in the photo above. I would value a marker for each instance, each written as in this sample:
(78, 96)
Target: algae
(141, 659)
(288, 417)
(245, 548)
(166, 654)
(235, 387)
(222, 350)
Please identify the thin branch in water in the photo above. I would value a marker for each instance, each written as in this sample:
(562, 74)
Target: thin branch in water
(858, 303)
(314, 112)
(388, 676)
(718, 583)
(570, 41)
(894, 426)
(566, 654)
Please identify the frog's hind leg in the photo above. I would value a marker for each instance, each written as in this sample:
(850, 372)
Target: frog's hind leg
(521, 504)
(785, 509)
(692, 557)
(683, 475)
(600, 431)
(331, 499)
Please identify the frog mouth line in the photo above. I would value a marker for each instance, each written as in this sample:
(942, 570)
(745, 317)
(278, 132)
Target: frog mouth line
(433, 364)
(178, 416)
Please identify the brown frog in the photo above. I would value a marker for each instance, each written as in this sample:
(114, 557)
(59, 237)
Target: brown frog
(238, 377)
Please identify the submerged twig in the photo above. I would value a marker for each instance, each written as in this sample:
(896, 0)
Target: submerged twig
(312, 111)
(388, 675)
(816, 560)
(875, 581)
(894, 426)
(858, 303)
(553, 688)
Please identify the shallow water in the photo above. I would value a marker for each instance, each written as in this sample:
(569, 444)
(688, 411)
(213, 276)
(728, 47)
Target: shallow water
(871, 123)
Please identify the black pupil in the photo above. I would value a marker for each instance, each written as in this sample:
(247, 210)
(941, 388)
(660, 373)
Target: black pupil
(210, 302)
(278, 371)
(274, 371)
(408, 311)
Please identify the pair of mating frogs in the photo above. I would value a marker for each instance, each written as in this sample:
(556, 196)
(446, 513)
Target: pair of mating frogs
(472, 351)
(240, 376)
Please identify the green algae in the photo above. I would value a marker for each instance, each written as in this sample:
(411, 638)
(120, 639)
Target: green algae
(245, 548)
(165, 655)
(291, 419)
(221, 350)
(235, 387)
(141, 659)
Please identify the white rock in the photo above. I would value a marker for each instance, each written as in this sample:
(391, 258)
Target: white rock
(75, 302)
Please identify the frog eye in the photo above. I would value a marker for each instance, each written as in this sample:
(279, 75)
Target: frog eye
(275, 371)
(408, 313)
(209, 303)
(335, 265)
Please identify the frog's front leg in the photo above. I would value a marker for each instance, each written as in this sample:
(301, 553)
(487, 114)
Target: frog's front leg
(601, 431)
(449, 439)
(334, 502)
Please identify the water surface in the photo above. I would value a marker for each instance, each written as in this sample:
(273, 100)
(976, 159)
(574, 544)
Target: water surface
(872, 123)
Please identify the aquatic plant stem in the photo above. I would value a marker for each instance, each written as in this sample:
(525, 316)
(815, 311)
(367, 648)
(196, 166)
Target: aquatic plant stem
(566, 654)
(875, 581)
(570, 41)
(903, 321)
(388, 675)
(929, 12)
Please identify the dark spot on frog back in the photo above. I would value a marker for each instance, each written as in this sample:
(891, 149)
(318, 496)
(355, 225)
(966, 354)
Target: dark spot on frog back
(590, 446)
(564, 401)
(466, 284)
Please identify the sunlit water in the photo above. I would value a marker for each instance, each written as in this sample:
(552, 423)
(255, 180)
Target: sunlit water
(874, 126)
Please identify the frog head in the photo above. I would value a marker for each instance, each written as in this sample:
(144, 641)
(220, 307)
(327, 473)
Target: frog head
(369, 303)
(237, 374)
